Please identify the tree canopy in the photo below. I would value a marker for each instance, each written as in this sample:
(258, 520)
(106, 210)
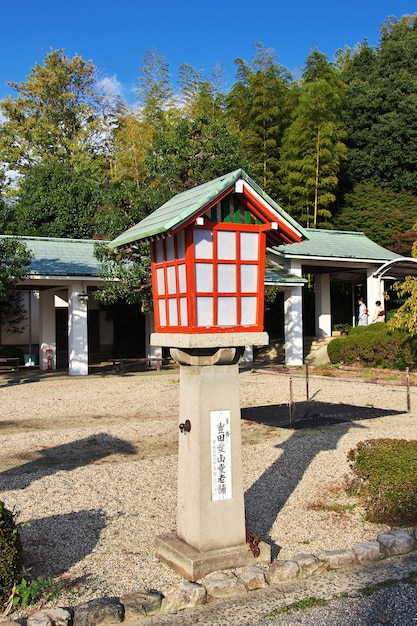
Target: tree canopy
(53, 138)
(14, 266)
(381, 108)
(335, 146)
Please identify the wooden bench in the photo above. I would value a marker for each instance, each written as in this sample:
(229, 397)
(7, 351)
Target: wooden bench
(10, 361)
(119, 365)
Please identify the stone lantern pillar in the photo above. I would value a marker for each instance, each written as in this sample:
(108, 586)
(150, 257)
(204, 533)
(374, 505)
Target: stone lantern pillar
(211, 530)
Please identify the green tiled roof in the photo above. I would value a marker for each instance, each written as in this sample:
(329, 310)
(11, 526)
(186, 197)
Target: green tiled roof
(184, 205)
(276, 274)
(337, 244)
(61, 257)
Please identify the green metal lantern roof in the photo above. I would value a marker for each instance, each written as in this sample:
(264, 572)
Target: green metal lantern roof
(60, 257)
(192, 202)
(337, 244)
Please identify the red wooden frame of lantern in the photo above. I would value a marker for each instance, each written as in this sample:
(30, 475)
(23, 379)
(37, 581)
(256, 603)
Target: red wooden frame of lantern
(209, 277)
(208, 273)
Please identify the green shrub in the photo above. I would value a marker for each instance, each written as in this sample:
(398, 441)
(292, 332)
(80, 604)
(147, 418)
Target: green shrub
(385, 480)
(374, 346)
(334, 350)
(10, 553)
(31, 591)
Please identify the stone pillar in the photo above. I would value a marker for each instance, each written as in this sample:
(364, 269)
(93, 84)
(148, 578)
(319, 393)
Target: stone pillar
(47, 331)
(77, 332)
(211, 533)
(211, 509)
(293, 326)
(323, 306)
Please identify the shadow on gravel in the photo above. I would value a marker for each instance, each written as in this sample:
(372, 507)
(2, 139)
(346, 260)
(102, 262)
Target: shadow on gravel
(309, 414)
(64, 458)
(54, 544)
(268, 495)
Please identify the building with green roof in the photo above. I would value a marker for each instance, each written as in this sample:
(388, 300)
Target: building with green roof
(331, 259)
(57, 296)
(64, 274)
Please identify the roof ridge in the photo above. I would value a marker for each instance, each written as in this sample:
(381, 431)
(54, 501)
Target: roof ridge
(59, 239)
(331, 231)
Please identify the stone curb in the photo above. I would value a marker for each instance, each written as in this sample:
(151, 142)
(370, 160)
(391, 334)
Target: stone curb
(226, 584)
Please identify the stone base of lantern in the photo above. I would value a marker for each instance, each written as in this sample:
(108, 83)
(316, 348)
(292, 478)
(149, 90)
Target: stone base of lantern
(193, 564)
(209, 340)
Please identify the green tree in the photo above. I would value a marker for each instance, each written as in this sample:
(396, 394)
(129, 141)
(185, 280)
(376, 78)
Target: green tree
(56, 201)
(14, 266)
(381, 108)
(132, 193)
(384, 216)
(55, 135)
(57, 115)
(259, 103)
(132, 140)
(199, 96)
(155, 91)
(7, 215)
(126, 274)
(191, 152)
(313, 145)
(405, 316)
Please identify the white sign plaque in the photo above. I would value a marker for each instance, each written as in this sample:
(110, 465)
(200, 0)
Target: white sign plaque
(221, 456)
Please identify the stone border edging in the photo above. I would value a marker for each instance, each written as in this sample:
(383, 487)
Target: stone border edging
(225, 584)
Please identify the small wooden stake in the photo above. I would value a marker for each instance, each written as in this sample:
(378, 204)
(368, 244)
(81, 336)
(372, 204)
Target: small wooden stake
(408, 390)
(291, 407)
(307, 383)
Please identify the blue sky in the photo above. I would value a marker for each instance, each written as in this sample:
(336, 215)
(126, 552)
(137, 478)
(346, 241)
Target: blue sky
(115, 35)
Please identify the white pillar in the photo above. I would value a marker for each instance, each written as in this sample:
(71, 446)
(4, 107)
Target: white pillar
(323, 306)
(47, 332)
(155, 351)
(374, 291)
(77, 332)
(293, 326)
(248, 355)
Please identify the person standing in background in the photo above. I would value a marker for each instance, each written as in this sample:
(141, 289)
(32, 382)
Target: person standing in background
(379, 313)
(363, 313)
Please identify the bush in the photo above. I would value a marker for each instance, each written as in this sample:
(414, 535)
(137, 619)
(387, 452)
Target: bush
(11, 553)
(385, 471)
(374, 346)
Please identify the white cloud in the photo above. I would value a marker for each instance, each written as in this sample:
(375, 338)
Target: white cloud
(110, 86)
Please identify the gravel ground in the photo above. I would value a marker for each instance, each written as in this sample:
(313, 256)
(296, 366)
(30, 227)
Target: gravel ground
(91, 464)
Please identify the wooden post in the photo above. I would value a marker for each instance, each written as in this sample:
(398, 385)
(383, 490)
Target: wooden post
(291, 407)
(408, 390)
(307, 383)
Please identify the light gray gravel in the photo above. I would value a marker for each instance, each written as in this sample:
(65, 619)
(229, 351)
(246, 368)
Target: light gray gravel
(94, 511)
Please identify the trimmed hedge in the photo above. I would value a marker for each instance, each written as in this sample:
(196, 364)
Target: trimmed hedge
(374, 346)
(385, 480)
